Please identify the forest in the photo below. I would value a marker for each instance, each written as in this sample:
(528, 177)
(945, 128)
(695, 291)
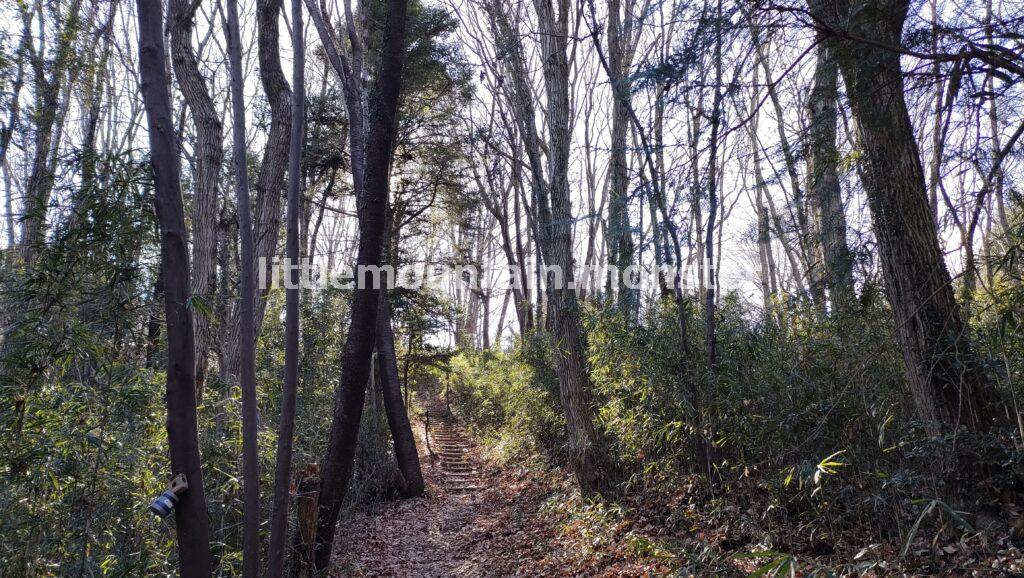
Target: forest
(483, 288)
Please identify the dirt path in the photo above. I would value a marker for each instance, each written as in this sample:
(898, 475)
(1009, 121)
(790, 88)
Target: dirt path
(476, 520)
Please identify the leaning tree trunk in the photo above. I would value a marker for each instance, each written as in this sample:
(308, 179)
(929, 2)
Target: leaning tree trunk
(209, 152)
(190, 515)
(823, 189)
(406, 455)
(947, 385)
(371, 209)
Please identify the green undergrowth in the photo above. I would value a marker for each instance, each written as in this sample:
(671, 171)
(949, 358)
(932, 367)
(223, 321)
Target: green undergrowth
(819, 447)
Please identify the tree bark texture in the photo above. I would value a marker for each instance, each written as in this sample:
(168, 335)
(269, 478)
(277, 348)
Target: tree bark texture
(555, 230)
(947, 385)
(270, 181)
(209, 153)
(619, 230)
(823, 189)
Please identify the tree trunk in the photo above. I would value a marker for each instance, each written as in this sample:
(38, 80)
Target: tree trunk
(8, 204)
(523, 266)
(270, 181)
(485, 322)
(307, 494)
(209, 153)
(947, 385)
(555, 230)
(153, 322)
(406, 456)
(372, 209)
(7, 131)
(619, 231)
(823, 177)
(190, 515)
(93, 89)
(710, 331)
(286, 427)
(247, 305)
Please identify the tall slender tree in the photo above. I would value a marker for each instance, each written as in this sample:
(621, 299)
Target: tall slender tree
(190, 515)
(286, 427)
(823, 188)
(349, 66)
(270, 179)
(372, 209)
(621, 246)
(710, 301)
(247, 306)
(553, 210)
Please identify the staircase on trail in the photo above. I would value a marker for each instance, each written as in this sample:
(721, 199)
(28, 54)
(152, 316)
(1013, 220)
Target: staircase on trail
(449, 442)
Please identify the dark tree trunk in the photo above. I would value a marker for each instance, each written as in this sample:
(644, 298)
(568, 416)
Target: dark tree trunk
(190, 515)
(372, 209)
(398, 418)
(406, 455)
(286, 427)
(246, 307)
(947, 385)
(153, 325)
(710, 329)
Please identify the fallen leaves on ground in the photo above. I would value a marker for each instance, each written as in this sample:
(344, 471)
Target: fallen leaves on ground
(528, 520)
(516, 524)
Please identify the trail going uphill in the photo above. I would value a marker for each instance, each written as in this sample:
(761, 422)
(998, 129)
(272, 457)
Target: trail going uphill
(478, 519)
(449, 441)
